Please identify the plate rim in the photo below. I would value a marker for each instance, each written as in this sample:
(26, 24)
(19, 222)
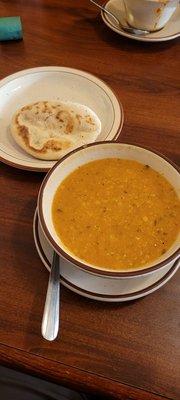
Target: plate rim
(115, 101)
(92, 295)
(135, 37)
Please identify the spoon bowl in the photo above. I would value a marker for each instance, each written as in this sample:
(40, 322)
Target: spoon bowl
(121, 26)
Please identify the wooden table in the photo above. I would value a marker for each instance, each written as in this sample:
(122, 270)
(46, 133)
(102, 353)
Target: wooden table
(127, 351)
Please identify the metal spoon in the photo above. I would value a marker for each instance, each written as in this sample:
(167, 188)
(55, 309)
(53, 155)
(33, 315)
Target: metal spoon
(124, 28)
(50, 321)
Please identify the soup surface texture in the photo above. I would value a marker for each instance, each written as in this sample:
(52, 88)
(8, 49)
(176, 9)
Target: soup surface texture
(116, 214)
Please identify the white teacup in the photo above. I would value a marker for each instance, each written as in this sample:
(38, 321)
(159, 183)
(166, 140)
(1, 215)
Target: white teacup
(150, 15)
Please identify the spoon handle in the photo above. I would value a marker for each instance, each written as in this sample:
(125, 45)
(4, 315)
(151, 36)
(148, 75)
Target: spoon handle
(106, 11)
(50, 321)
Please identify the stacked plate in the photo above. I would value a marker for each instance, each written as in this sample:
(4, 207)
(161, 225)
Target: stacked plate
(88, 280)
(88, 285)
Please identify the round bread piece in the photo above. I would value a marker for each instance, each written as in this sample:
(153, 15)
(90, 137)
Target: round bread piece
(48, 130)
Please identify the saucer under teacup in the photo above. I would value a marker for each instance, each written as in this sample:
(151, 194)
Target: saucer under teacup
(93, 286)
(169, 32)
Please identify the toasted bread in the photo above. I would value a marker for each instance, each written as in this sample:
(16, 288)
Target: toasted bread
(48, 130)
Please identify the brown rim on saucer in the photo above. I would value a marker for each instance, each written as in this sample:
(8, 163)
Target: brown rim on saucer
(68, 284)
(21, 166)
(64, 254)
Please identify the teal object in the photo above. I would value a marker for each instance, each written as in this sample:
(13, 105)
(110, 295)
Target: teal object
(10, 28)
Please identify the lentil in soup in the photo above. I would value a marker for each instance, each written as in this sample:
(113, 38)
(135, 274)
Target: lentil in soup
(116, 214)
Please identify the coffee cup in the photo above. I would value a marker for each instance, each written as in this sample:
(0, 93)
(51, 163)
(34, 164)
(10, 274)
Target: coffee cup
(151, 15)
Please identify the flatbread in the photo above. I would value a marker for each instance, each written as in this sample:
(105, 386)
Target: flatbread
(47, 130)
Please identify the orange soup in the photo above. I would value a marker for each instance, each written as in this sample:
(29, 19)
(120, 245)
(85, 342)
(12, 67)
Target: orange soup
(116, 214)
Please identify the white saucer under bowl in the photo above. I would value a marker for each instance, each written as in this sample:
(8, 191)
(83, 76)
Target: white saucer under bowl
(169, 32)
(54, 84)
(92, 286)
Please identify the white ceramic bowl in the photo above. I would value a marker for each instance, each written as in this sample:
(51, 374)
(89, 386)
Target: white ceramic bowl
(125, 281)
(149, 14)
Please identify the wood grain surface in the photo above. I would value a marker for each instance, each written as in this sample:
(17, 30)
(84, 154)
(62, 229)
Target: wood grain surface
(125, 351)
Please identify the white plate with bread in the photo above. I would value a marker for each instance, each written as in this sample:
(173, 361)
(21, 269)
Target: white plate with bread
(46, 112)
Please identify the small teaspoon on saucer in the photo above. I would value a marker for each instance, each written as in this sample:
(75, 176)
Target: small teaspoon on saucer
(50, 321)
(124, 28)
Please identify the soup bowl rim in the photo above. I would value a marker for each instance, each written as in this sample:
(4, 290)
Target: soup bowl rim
(81, 264)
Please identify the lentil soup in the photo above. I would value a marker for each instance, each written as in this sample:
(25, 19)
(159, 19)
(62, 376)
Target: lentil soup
(116, 214)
